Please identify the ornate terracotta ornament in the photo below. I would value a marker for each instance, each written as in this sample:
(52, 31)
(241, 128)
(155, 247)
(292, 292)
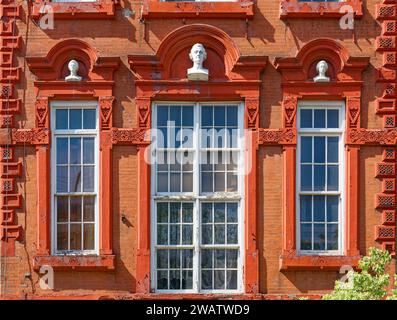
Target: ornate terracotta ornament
(321, 68)
(198, 55)
(73, 67)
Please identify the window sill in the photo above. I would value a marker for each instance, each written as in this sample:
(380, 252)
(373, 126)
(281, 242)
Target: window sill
(297, 9)
(159, 10)
(100, 9)
(316, 262)
(81, 263)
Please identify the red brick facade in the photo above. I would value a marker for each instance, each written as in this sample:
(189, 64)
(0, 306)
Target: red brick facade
(133, 54)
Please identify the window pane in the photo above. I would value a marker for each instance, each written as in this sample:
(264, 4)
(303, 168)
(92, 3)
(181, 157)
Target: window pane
(319, 178)
(162, 234)
(306, 177)
(232, 116)
(206, 116)
(162, 212)
(306, 149)
(206, 211)
(332, 237)
(319, 237)
(219, 116)
(187, 212)
(75, 236)
(206, 234)
(206, 182)
(89, 236)
(175, 259)
(219, 231)
(333, 149)
(232, 212)
(306, 236)
(175, 212)
(175, 234)
(75, 150)
(187, 234)
(187, 183)
(187, 279)
(175, 182)
(219, 212)
(206, 259)
(220, 259)
(75, 178)
(332, 208)
(89, 121)
(231, 258)
(88, 178)
(175, 116)
(62, 179)
(89, 209)
(62, 150)
(62, 209)
(61, 122)
(332, 118)
(232, 234)
(306, 208)
(162, 182)
(319, 118)
(319, 149)
(75, 209)
(62, 237)
(187, 116)
(75, 119)
(231, 182)
(206, 279)
(231, 279)
(162, 259)
(88, 151)
(219, 279)
(162, 116)
(162, 280)
(319, 208)
(175, 279)
(306, 118)
(333, 178)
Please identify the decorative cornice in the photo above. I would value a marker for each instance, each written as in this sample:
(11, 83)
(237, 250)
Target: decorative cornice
(30, 136)
(133, 136)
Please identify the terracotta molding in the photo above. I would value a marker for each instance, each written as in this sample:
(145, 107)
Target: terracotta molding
(97, 84)
(78, 263)
(297, 9)
(277, 136)
(371, 136)
(345, 73)
(157, 9)
(157, 79)
(100, 9)
(133, 136)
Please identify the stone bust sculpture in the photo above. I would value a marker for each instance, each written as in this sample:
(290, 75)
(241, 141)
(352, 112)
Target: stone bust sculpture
(197, 55)
(73, 67)
(321, 68)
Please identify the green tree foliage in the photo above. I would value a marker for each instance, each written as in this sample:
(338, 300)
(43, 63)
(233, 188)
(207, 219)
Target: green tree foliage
(368, 284)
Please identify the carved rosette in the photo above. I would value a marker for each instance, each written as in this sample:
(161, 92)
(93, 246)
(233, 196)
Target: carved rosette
(277, 136)
(106, 110)
(290, 106)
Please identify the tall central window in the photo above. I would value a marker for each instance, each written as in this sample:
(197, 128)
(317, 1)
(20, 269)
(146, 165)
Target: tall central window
(74, 172)
(197, 197)
(320, 182)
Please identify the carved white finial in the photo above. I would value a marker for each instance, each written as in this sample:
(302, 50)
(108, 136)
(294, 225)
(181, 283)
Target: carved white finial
(73, 67)
(198, 55)
(321, 68)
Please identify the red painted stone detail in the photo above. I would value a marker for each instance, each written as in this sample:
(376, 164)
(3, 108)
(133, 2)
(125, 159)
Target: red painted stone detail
(97, 84)
(162, 77)
(346, 84)
(371, 136)
(277, 136)
(296, 9)
(157, 9)
(138, 136)
(100, 9)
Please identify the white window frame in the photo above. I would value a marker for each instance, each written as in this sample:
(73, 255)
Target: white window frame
(340, 132)
(56, 105)
(197, 198)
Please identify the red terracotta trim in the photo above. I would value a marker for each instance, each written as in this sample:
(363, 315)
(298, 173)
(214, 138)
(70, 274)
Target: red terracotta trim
(100, 9)
(154, 81)
(97, 84)
(294, 262)
(80, 263)
(297, 9)
(345, 84)
(157, 9)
